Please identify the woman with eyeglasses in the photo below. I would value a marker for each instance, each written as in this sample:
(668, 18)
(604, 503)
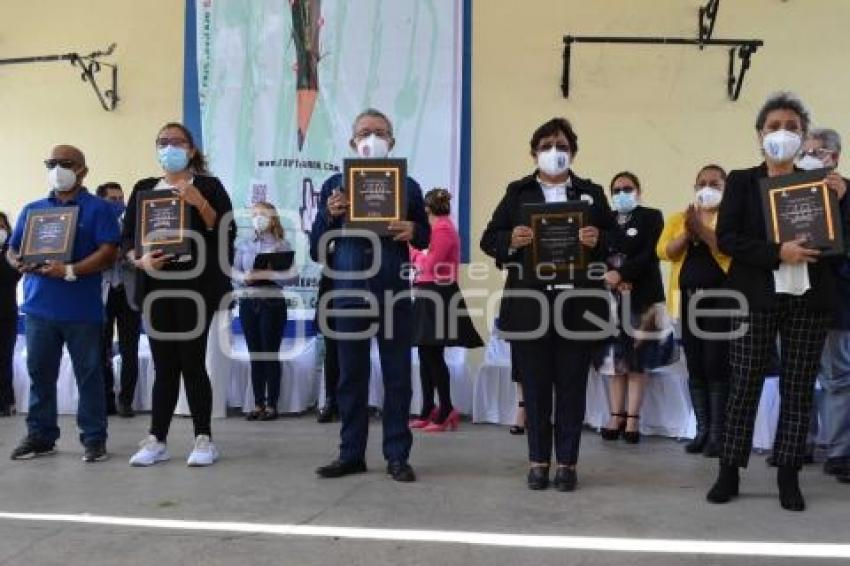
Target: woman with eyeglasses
(634, 278)
(689, 243)
(9, 277)
(262, 307)
(790, 290)
(178, 309)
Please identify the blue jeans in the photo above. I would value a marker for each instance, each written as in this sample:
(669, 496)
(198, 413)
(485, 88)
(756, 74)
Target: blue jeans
(835, 380)
(353, 388)
(45, 339)
(262, 322)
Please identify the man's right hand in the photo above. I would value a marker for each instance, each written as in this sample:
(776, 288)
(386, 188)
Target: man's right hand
(521, 237)
(153, 261)
(337, 204)
(795, 252)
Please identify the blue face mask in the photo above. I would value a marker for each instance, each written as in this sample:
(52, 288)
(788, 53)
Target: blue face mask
(173, 159)
(624, 203)
(118, 208)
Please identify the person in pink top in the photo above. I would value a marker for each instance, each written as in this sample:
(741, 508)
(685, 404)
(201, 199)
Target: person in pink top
(440, 320)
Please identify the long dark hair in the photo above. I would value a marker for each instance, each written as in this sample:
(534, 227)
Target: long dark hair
(198, 162)
(4, 222)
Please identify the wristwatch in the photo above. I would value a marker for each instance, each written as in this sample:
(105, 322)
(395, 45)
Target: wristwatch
(70, 276)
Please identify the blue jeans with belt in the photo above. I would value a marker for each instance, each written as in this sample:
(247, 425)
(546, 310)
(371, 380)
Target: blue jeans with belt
(835, 381)
(45, 339)
(353, 389)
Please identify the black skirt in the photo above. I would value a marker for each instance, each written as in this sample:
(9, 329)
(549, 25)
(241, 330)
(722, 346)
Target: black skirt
(435, 325)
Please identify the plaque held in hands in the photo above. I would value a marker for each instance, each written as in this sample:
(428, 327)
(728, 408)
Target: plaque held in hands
(162, 219)
(49, 235)
(376, 190)
(555, 252)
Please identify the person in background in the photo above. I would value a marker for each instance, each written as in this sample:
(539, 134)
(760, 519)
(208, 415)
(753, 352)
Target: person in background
(553, 360)
(440, 317)
(633, 273)
(690, 244)
(9, 277)
(119, 291)
(174, 310)
(790, 291)
(372, 138)
(262, 308)
(823, 149)
(330, 411)
(64, 308)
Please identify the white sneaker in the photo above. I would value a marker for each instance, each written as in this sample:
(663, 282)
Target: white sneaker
(151, 451)
(204, 454)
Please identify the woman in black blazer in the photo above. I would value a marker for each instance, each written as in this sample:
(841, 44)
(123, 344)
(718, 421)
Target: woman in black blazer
(9, 277)
(634, 278)
(183, 312)
(790, 291)
(550, 358)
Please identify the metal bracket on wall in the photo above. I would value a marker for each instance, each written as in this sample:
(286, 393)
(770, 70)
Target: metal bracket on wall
(89, 66)
(707, 19)
(744, 48)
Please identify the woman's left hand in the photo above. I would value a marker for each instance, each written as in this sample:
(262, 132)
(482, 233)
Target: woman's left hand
(589, 236)
(613, 278)
(837, 183)
(190, 194)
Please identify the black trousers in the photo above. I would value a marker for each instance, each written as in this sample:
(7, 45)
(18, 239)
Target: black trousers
(708, 360)
(554, 363)
(331, 363)
(8, 336)
(118, 311)
(434, 374)
(802, 333)
(174, 356)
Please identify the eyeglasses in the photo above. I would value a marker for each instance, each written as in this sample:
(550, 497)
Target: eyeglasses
(176, 142)
(618, 190)
(64, 163)
(820, 153)
(365, 133)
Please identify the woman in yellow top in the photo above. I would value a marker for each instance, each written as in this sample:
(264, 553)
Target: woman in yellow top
(689, 242)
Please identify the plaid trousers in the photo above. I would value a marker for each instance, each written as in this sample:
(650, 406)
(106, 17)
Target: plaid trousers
(801, 335)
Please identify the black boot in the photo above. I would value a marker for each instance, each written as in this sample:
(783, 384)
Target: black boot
(717, 396)
(699, 400)
(790, 496)
(726, 486)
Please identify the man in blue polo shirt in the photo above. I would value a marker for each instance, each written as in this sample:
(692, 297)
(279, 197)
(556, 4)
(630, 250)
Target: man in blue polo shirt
(63, 307)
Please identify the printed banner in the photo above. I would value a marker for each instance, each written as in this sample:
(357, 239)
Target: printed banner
(281, 81)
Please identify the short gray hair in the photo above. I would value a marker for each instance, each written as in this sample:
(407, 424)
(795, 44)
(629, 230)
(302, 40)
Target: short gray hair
(830, 139)
(372, 113)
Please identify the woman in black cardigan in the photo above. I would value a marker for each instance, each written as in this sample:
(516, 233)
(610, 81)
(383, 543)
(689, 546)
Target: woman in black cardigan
(178, 321)
(634, 278)
(550, 359)
(790, 291)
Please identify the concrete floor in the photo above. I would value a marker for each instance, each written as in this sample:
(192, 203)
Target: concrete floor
(471, 480)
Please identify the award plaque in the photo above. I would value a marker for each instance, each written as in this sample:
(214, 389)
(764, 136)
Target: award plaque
(376, 193)
(49, 235)
(162, 219)
(555, 252)
(800, 205)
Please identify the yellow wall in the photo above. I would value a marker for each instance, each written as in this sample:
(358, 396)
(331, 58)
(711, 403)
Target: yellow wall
(659, 111)
(45, 104)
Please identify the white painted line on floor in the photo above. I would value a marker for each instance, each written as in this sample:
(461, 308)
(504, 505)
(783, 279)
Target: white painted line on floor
(603, 544)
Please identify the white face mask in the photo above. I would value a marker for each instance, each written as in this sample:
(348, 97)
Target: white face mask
(553, 162)
(709, 197)
(781, 146)
(373, 147)
(61, 180)
(4, 235)
(810, 162)
(261, 223)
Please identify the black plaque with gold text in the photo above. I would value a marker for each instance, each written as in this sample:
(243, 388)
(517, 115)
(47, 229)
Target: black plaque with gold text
(49, 235)
(376, 190)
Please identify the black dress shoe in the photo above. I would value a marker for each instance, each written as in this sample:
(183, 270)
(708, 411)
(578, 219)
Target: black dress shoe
(538, 478)
(401, 471)
(565, 479)
(727, 485)
(836, 466)
(5, 411)
(111, 409)
(338, 469)
(126, 411)
(327, 414)
(790, 496)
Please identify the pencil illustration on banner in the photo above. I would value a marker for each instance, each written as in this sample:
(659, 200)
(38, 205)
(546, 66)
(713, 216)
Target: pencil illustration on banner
(306, 23)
